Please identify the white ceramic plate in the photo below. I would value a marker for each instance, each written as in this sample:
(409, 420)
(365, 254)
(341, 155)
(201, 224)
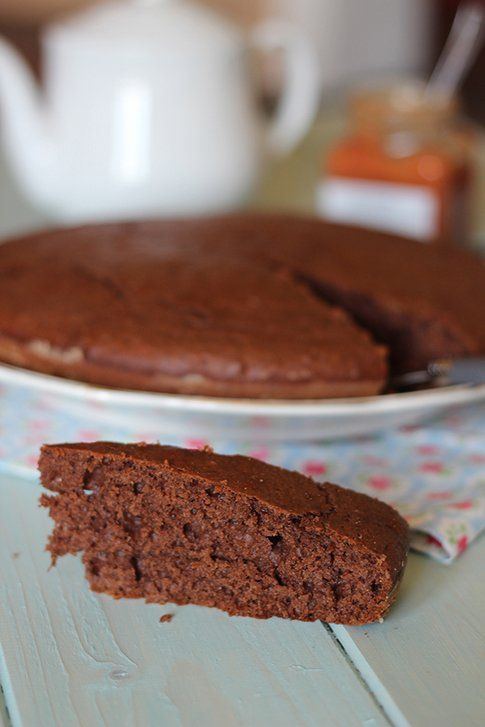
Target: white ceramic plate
(259, 420)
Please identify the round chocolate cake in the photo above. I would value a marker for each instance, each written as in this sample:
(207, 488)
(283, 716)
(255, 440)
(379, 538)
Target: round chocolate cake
(244, 306)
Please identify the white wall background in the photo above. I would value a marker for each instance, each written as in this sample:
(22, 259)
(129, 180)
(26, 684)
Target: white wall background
(364, 39)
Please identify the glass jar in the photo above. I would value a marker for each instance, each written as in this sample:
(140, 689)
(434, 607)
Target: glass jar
(404, 167)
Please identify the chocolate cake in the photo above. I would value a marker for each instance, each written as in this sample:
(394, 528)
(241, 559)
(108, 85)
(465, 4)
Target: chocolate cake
(187, 526)
(149, 307)
(247, 306)
(424, 302)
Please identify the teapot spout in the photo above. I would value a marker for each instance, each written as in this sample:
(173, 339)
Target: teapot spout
(28, 145)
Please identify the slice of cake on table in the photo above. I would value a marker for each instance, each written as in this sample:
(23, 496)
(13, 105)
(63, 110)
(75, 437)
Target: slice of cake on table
(188, 526)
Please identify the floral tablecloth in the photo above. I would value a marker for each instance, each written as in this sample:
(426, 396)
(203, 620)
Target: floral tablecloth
(433, 474)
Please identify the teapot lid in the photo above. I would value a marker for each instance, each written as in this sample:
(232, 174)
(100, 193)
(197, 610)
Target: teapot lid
(136, 22)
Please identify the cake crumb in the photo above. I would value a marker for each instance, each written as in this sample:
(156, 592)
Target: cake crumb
(166, 618)
(381, 620)
(15, 555)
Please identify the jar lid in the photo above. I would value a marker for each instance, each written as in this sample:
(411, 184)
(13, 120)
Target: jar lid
(407, 104)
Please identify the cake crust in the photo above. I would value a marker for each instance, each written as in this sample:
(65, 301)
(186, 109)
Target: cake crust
(189, 526)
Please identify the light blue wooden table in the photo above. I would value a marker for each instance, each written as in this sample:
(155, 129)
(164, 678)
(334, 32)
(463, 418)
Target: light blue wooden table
(72, 658)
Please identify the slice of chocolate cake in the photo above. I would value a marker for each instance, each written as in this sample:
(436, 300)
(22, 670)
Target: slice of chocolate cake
(187, 526)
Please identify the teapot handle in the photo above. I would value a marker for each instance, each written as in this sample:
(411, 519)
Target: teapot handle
(299, 100)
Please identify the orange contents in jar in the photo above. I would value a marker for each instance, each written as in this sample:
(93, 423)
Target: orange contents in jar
(404, 167)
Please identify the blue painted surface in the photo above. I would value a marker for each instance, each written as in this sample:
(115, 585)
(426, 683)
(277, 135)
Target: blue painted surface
(71, 657)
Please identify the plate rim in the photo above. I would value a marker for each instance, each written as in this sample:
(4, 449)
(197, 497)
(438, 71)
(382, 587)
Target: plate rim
(47, 383)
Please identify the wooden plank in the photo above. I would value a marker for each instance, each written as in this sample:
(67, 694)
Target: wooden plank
(73, 658)
(4, 720)
(426, 662)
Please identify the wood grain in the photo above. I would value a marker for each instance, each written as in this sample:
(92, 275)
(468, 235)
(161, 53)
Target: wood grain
(74, 658)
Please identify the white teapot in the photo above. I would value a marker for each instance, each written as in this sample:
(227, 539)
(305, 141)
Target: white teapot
(148, 108)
